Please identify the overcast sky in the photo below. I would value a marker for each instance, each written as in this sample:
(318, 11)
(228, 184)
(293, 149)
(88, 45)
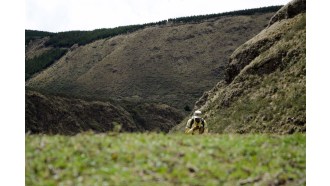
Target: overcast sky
(64, 15)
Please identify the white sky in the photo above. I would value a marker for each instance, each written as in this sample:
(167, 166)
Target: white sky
(64, 15)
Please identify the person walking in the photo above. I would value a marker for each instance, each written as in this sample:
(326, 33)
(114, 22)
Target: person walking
(196, 124)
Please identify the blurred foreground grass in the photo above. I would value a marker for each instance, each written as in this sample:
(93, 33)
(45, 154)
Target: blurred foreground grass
(160, 159)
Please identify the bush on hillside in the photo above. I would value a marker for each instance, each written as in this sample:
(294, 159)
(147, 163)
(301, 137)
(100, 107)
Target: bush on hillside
(200, 18)
(34, 34)
(67, 39)
(43, 61)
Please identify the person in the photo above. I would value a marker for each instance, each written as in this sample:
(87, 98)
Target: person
(196, 124)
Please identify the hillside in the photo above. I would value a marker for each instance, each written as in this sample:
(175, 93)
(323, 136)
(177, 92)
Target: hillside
(171, 63)
(49, 114)
(265, 85)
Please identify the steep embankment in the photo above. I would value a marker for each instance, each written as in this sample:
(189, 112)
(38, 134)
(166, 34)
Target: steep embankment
(265, 86)
(172, 64)
(59, 115)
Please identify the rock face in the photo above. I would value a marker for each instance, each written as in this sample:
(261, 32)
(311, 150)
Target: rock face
(290, 10)
(58, 115)
(265, 85)
(250, 50)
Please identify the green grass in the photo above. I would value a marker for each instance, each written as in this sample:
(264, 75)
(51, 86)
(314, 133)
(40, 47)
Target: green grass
(159, 159)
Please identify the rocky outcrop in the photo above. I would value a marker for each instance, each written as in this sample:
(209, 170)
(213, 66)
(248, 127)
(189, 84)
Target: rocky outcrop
(290, 10)
(246, 53)
(250, 50)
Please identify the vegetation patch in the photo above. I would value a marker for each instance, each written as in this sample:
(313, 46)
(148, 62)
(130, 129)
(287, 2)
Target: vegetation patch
(34, 34)
(49, 114)
(43, 61)
(200, 18)
(159, 159)
(67, 39)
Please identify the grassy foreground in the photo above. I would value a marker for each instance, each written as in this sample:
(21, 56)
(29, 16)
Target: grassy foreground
(160, 159)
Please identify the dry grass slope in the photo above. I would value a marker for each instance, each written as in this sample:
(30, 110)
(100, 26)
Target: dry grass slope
(171, 64)
(265, 87)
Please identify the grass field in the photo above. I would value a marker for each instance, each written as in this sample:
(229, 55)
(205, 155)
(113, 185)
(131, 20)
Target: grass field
(160, 159)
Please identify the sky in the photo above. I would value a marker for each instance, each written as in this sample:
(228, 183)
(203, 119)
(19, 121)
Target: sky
(65, 15)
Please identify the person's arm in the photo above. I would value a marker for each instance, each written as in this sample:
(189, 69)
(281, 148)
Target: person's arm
(189, 130)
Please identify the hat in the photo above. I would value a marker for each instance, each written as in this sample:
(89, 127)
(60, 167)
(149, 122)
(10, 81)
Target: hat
(197, 114)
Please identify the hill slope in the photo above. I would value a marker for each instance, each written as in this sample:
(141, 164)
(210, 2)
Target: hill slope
(172, 64)
(58, 115)
(265, 86)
